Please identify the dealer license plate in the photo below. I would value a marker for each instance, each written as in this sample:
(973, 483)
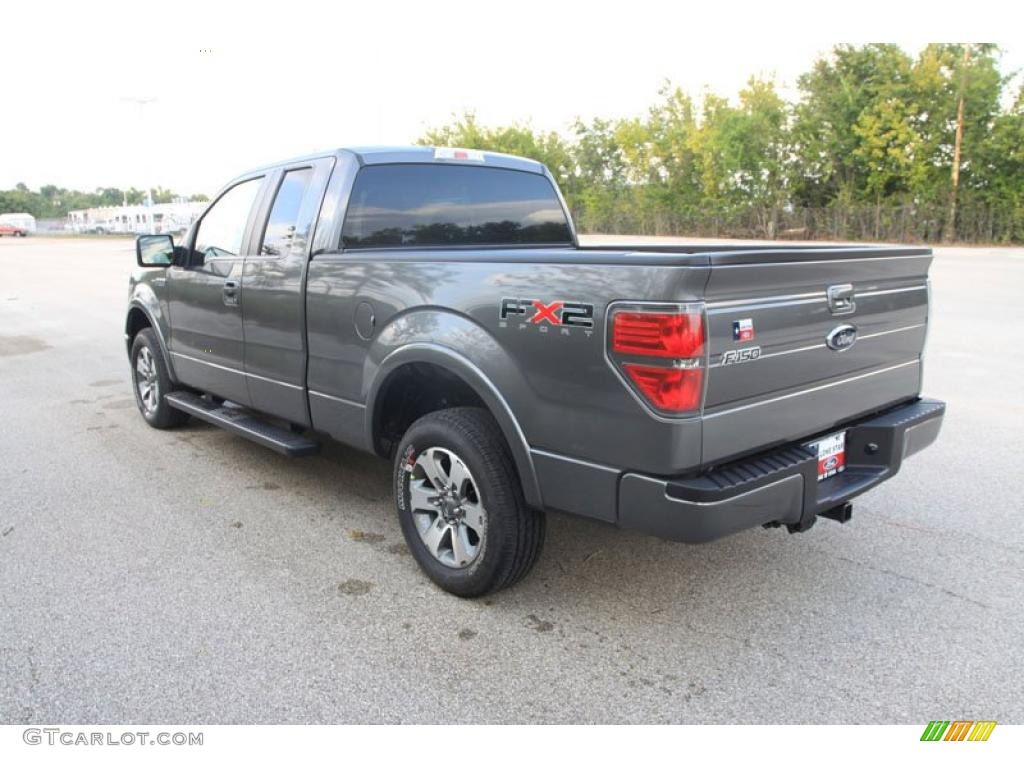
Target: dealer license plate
(831, 455)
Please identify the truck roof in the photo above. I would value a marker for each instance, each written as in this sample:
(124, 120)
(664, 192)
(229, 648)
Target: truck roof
(415, 154)
(381, 155)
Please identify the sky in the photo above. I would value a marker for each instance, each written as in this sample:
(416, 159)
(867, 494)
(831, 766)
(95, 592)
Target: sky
(185, 95)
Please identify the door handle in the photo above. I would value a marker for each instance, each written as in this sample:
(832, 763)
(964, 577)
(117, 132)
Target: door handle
(231, 293)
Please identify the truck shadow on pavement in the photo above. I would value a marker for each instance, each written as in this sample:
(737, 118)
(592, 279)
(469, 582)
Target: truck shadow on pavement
(592, 574)
(582, 559)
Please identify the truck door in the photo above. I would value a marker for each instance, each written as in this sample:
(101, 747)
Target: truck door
(273, 290)
(204, 296)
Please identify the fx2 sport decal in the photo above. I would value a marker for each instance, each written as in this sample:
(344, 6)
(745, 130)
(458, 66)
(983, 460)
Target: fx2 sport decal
(544, 314)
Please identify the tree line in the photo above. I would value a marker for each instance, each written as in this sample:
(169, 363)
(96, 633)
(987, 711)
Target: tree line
(53, 202)
(879, 144)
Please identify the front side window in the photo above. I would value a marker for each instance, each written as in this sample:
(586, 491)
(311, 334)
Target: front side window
(223, 227)
(450, 205)
(284, 229)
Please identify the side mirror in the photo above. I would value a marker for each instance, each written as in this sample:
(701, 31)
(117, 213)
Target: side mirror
(154, 250)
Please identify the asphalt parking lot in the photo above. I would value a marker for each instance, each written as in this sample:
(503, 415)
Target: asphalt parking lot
(191, 576)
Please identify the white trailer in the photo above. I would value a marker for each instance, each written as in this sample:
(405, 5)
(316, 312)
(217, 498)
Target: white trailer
(24, 221)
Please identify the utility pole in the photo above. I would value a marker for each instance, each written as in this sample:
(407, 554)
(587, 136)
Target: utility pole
(957, 144)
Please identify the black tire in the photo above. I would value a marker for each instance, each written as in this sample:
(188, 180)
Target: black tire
(157, 413)
(513, 532)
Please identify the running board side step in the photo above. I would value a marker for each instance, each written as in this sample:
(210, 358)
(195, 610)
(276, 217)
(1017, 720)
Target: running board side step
(244, 423)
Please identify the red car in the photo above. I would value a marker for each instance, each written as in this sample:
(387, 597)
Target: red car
(13, 230)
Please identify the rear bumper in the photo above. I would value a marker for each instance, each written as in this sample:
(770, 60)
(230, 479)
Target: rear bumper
(780, 486)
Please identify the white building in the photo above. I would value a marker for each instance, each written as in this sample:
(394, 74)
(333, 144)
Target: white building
(159, 218)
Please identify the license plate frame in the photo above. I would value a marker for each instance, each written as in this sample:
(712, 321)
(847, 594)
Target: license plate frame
(831, 451)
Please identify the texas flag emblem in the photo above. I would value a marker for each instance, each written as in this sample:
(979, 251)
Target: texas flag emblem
(743, 330)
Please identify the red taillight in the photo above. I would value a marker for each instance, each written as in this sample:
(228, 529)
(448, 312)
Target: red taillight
(673, 379)
(669, 389)
(676, 335)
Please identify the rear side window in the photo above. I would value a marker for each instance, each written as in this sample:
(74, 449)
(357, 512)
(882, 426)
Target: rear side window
(422, 205)
(284, 228)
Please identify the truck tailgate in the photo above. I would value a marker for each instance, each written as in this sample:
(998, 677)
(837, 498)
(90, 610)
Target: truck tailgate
(774, 376)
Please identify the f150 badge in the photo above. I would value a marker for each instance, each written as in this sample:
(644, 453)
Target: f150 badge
(535, 313)
(745, 355)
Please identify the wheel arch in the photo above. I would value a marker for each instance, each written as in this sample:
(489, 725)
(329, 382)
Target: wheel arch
(139, 316)
(469, 383)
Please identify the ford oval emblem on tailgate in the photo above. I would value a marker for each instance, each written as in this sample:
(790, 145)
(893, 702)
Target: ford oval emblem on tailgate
(842, 337)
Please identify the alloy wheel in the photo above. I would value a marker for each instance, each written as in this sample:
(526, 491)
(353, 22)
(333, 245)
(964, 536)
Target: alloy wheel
(146, 382)
(446, 507)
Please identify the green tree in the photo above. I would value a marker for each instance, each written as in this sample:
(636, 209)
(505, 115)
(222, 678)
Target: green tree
(161, 195)
(548, 148)
(600, 189)
(996, 180)
(889, 153)
(837, 90)
(935, 88)
(673, 125)
(53, 202)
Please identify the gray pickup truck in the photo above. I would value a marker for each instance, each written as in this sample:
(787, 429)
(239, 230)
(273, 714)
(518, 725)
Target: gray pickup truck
(434, 306)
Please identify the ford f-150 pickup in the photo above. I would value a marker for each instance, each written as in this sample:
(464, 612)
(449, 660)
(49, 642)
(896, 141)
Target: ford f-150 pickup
(435, 307)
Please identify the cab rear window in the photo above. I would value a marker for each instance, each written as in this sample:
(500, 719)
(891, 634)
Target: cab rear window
(451, 205)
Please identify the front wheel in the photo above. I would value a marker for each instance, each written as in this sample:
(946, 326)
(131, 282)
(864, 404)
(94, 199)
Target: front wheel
(151, 382)
(460, 504)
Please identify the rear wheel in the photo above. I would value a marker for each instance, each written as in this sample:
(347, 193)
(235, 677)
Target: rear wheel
(460, 504)
(151, 382)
